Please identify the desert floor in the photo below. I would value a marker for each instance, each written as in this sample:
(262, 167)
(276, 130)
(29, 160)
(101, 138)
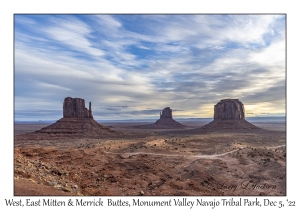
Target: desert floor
(153, 162)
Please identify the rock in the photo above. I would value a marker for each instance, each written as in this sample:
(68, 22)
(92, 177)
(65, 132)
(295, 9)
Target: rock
(229, 109)
(165, 122)
(90, 110)
(75, 108)
(229, 115)
(166, 113)
(77, 122)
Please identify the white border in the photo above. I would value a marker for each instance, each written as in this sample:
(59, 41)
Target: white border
(9, 8)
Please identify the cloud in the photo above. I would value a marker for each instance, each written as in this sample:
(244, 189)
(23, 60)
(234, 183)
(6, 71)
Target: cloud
(188, 62)
(108, 22)
(74, 33)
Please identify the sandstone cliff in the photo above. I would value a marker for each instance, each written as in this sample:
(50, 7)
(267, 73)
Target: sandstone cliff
(229, 109)
(229, 115)
(75, 108)
(166, 113)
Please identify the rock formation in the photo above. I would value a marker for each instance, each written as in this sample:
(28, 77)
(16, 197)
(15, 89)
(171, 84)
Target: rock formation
(229, 114)
(229, 109)
(165, 122)
(85, 127)
(166, 113)
(77, 121)
(75, 108)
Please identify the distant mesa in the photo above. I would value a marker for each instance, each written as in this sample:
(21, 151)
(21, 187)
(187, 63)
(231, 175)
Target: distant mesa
(77, 121)
(166, 121)
(229, 114)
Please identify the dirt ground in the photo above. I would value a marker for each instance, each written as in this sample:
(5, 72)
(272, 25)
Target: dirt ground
(153, 162)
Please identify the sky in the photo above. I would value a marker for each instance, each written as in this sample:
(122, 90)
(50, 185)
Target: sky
(133, 66)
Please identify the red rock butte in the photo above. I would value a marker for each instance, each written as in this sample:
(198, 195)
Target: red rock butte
(77, 121)
(75, 108)
(229, 114)
(166, 121)
(229, 109)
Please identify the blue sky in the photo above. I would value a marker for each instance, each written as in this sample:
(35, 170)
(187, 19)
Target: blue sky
(133, 66)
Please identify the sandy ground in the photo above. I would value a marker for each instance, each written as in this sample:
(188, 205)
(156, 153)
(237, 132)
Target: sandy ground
(154, 162)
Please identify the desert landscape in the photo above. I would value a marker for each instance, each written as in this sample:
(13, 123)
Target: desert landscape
(226, 156)
(150, 104)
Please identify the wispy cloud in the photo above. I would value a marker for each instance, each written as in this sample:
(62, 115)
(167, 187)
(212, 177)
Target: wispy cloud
(187, 62)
